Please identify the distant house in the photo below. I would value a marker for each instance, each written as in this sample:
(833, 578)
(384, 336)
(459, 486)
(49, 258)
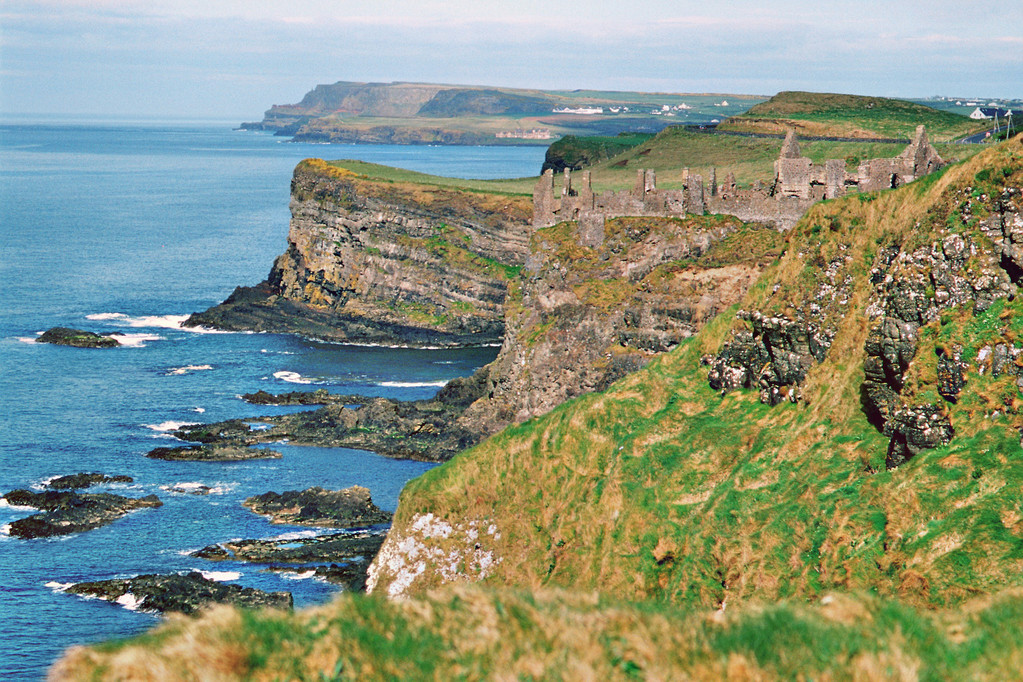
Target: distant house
(987, 113)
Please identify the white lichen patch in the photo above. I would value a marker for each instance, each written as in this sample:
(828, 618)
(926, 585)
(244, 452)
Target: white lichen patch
(434, 550)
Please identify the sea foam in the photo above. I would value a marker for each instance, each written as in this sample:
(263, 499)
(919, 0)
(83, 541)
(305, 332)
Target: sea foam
(292, 377)
(411, 384)
(163, 427)
(176, 371)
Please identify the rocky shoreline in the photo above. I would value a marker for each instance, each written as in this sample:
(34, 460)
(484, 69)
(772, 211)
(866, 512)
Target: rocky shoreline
(424, 430)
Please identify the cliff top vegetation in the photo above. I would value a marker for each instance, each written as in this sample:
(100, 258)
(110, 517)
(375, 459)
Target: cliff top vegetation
(836, 115)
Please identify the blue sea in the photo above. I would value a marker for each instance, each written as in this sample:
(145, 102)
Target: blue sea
(130, 227)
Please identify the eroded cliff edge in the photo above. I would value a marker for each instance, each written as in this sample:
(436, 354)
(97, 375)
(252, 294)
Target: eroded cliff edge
(574, 317)
(385, 262)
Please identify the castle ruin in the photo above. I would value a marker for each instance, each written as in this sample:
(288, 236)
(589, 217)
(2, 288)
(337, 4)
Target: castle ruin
(798, 184)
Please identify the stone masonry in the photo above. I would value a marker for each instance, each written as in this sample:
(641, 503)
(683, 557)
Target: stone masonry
(798, 184)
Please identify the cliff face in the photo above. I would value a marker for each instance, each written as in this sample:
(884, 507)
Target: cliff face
(386, 263)
(582, 317)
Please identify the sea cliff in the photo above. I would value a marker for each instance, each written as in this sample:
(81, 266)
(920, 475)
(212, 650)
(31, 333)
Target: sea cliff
(383, 262)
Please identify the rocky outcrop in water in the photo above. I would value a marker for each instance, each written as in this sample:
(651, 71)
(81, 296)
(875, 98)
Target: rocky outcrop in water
(187, 593)
(212, 453)
(316, 506)
(339, 558)
(63, 336)
(64, 513)
(426, 430)
(388, 263)
(85, 480)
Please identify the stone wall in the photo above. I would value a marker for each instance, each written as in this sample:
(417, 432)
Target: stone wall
(798, 184)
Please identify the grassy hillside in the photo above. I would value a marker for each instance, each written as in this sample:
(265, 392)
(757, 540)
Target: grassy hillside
(476, 634)
(419, 113)
(668, 490)
(833, 115)
(749, 158)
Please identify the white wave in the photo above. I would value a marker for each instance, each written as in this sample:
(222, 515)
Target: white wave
(157, 321)
(129, 601)
(187, 486)
(221, 576)
(292, 377)
(276, 352)
(27, 339)
(4, 504)
(200, 410)
(58, 587)
(5, 530)
(298, 575)
(160, 321)
(297, 535)
(411, 384)
(136, 340)
(186, 369)
(106, 316)
(168, 426)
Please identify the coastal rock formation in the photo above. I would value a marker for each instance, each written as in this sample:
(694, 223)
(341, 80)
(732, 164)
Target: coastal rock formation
(318, 507)
(84, 480)
(186, 594)
(212, 453)
(318, 397)
(323, 548)
(581, 317)
(64, 336)
(425, 430)
(339, 558)
(915, 283)
(584, 316)
(69, 512)
(390, 263)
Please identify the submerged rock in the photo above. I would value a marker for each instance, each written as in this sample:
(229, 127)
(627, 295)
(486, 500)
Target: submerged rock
(212, 453)
(84, 480)
(70, 512)
(63, 336)
(319, 507)
(182, 593)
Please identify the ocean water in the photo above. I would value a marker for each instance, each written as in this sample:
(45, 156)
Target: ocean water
(131, 227)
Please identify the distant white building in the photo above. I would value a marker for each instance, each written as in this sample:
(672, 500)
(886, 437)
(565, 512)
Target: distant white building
(585, 111)
(988, 113)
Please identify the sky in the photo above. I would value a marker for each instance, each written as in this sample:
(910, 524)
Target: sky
(232, 59)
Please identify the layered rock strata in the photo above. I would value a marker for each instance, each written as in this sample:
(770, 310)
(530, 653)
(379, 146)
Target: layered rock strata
(389, 263)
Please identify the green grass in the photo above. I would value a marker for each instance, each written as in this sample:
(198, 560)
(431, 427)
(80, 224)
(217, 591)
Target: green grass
(761, 503)
(750, 159)
(475, 634)
(834, 115)
(373, 171)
